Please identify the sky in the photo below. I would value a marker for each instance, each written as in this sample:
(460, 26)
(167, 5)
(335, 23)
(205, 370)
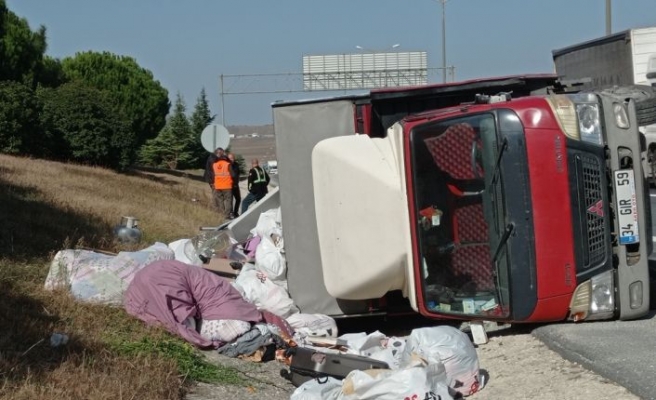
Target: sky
(188, 45)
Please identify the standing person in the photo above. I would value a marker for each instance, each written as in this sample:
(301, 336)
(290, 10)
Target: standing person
(222, 183)
(209, 172)
(258, 182)
(236, 193)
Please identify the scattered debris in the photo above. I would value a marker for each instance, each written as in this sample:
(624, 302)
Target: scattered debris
(58, 339)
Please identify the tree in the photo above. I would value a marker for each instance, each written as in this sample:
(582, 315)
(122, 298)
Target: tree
(50, 73)
(18, 117)
(200, 118)
(141, 98)
(83, 124)
(170, 148)
(21, 50)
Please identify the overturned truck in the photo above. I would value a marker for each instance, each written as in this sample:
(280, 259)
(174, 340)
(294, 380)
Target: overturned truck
(499, 199)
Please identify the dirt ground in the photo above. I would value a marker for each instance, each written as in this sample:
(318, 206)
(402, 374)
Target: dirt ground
(515, 363)
(522, 367)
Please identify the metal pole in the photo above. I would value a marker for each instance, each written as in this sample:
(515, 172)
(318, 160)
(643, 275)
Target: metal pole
(608, 17)
(444, 40)
(222, 103)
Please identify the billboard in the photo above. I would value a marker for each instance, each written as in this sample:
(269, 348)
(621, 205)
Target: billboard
(364, 70)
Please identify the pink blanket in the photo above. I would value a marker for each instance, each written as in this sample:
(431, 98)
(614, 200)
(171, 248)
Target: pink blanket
(167, 292)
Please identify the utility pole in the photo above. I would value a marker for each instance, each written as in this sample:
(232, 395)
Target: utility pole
(222, 103)
(444, 39)
(608, 17)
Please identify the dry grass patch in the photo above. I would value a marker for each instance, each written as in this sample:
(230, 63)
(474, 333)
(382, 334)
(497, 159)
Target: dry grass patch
(48, 206)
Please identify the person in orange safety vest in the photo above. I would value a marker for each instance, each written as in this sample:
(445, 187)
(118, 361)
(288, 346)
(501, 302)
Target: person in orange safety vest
(222, 178)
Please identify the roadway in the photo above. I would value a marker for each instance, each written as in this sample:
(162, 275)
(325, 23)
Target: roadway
(622, 351)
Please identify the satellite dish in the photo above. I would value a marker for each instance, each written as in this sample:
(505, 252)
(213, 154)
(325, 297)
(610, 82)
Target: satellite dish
(213, 136)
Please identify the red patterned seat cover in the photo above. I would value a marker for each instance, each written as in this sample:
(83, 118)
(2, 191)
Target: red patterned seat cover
(451, 151)
(469, 224)
(473, 262)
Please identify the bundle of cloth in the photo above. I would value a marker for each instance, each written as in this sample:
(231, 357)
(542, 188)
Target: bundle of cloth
(101, 278)
(203, 308)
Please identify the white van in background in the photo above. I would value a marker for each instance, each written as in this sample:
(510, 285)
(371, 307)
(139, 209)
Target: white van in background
(271, 167)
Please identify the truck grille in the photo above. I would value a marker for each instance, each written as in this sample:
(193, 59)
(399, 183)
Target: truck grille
(595, 208)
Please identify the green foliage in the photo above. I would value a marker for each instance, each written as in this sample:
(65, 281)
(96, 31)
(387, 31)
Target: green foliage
(21, 50)
(190, 363)
(140, 97)
(200, 118)
(18, 118)
(82, 124)
(50, 73)
(170, 148)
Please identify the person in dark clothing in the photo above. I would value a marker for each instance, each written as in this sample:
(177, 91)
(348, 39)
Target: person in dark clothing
(258, 183)
(209, 171)
(236, 193)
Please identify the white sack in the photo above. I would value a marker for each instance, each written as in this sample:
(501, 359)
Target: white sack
(418, 382)
(181, 248)
(313, 390)
(362, 343)
(320, 325)
(391, 352)
(257, 289)
(268, 223)
(270, 259)
(453, 348)
(376, 345)
(270, 252)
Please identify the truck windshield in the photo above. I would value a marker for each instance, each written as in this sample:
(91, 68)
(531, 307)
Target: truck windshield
(459, 222)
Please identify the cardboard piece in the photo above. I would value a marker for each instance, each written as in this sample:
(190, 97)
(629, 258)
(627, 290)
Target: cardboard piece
(221, 267)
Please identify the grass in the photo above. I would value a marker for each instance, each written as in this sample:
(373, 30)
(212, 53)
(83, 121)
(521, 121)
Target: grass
(46, 207)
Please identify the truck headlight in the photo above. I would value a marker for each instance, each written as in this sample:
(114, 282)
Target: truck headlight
(589, 125)
(603, 294)
(594, 299)
(579, 116)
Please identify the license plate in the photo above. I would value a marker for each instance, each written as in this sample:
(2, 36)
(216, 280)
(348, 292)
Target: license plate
(627, 207)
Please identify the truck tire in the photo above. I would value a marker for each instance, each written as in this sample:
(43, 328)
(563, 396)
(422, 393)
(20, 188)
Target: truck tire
(644, 97)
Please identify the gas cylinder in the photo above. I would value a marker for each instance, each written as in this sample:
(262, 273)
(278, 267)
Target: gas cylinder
(128, 230)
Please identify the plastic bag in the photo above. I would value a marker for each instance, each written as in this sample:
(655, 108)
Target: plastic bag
(376, 345)
(257, 289)
(453, 348)
(417, 383)
(269, 258)
(320, 325)
(208, 243)
(268, 223)
(391, 352)
(183, 247)
(331, 389)
(363, 343)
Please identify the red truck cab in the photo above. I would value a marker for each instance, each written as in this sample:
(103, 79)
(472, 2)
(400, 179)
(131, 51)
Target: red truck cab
(493, 199)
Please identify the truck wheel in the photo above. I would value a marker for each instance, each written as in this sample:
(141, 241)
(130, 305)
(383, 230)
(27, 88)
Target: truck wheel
(644, 97)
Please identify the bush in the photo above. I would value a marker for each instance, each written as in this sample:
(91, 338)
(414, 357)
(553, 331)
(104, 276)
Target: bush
(86, 126)
(18, 117)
